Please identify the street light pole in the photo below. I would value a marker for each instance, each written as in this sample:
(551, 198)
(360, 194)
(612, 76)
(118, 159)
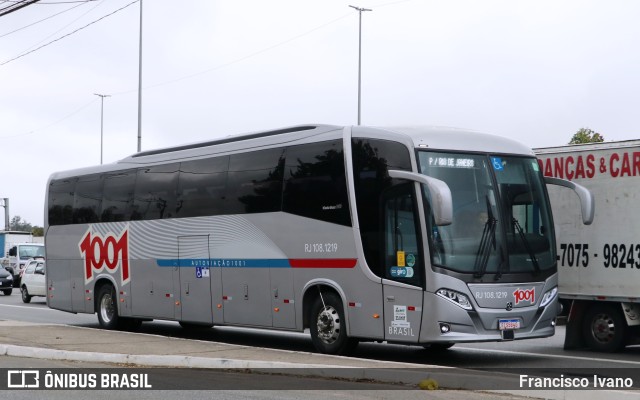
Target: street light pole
(140, 84)
(102, 96)
(360, 10)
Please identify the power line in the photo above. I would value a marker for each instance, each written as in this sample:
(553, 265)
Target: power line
(62, 28)
(68, 34)
(16, 6)
(51, 124)
(42, 20)
(237, 60)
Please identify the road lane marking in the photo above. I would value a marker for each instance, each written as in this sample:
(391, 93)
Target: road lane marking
(550, 355)
(29, 307)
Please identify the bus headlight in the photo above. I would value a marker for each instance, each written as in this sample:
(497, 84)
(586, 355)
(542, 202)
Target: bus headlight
(548, 297)
(457, 298)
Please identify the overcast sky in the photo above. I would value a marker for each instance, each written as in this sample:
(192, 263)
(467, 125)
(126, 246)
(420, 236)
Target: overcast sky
(535, 71)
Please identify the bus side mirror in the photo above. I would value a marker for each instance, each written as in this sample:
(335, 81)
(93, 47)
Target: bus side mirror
(587, 203)
(441, 201)
(13, 251)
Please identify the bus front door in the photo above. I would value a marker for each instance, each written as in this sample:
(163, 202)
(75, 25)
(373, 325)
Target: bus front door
(195, 279)
(403, 276)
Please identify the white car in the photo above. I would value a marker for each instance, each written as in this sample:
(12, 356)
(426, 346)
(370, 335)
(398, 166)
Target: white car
(33, 281)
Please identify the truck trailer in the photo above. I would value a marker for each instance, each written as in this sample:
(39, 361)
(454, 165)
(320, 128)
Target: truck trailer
(598, 264)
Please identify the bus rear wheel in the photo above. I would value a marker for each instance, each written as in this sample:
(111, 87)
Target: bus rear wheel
(328, 326)
(603, 328)
(107, 307)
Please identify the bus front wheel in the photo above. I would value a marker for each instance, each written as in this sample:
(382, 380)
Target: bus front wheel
(328, 326)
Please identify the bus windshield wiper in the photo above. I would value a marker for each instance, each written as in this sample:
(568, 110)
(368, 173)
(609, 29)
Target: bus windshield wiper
(487, 240)
(527, 246)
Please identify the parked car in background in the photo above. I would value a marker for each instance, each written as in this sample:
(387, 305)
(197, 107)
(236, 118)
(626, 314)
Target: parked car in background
(33, 281)
(32, 261)
(6, 281)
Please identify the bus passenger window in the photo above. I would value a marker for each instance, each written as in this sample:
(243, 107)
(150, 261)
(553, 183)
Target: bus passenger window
(201, 187)
(315, 184)
(61, 194)
(88, 199)
(155, 194)
(255, 182)
(118, 196)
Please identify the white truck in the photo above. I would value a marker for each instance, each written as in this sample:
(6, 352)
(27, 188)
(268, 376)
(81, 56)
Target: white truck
(17, 248)
(598, 264)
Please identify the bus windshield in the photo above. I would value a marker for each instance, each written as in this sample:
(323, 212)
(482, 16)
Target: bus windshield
(501, 216)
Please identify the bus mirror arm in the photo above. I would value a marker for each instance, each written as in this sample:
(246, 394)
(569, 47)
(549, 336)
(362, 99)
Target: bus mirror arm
(441, 201)
(587, 203)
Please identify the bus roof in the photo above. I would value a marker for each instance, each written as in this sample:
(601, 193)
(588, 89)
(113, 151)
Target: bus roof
(422, 137)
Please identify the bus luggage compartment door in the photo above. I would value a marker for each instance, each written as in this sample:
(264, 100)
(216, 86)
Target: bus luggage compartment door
(195, 279)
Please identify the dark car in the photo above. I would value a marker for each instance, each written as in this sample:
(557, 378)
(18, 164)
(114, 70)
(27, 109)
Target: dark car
(6, 281)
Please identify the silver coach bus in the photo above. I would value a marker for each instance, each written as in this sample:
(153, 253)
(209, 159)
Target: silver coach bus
(416, 236)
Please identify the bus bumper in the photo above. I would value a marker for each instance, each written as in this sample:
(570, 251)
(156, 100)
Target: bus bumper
(449, 323)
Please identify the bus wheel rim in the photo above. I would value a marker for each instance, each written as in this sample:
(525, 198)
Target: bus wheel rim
(328, 324)
(106, 307)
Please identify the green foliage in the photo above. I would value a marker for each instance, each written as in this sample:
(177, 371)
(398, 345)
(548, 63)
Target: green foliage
(586, 135)
(17, 224)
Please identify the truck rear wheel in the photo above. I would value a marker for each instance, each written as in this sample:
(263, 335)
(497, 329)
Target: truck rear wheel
(604, 328)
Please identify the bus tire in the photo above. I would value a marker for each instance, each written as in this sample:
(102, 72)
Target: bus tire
(603, 328)
(107, 307)
(328, 326)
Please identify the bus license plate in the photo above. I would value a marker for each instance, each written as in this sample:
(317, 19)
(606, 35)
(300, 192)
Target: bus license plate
(506, 324)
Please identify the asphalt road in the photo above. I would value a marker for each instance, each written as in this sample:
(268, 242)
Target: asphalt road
(547, 353)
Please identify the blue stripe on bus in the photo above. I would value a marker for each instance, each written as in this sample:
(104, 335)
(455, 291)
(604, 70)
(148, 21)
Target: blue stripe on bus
(260, 262)
(227, 263)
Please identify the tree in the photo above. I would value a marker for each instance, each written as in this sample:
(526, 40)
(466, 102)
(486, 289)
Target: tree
(586, 135)
(37, 231)
(17, 224)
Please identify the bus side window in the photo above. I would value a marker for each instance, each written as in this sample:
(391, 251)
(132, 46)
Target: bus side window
(155, 193)
(315, 184)
(61, 194)
(88, 199)
(118, 196)
(254, 182)
(201, 187)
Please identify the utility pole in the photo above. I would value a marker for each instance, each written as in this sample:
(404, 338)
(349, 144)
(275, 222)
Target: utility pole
(140, 85)
(360, 10)
(102, 96)
(5, 204)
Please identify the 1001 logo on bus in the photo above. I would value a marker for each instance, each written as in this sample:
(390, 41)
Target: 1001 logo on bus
(110, 252)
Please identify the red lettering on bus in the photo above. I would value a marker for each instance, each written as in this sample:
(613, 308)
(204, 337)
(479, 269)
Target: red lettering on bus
(525, 295)
(110, 252)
